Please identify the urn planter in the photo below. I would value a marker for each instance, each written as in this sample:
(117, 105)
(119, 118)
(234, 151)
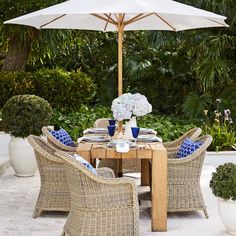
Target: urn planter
(227, 212)
(22, 157)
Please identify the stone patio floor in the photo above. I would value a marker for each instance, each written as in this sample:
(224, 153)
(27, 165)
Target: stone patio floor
(18, 196)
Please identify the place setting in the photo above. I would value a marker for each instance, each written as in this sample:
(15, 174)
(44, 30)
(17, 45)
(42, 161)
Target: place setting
(99, 135)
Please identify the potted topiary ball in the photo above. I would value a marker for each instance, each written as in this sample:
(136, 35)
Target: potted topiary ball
(23, 115)
(223, 186)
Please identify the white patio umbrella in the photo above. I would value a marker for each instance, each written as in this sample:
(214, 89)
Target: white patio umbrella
(120, 15)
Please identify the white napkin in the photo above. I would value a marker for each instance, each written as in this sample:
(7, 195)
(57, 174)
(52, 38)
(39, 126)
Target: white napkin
(87, 131)
(147, 131)
(94, 131)
(159, 139)
(80, 139)
(153, 131)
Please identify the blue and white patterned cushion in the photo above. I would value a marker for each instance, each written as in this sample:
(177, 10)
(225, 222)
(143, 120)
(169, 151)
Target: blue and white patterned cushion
(187, 148)
(62, 136)
(85, 163)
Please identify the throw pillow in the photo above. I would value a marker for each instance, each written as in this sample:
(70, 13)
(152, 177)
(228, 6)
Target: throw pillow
(85, 163)
(187, 148)
(62, 136)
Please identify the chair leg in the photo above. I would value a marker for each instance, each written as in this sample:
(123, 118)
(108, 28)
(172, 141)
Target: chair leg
(35, 213)
(206, 214)
(63, 233)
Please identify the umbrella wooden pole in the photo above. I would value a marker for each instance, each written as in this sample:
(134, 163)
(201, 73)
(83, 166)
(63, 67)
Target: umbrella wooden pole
(120, 29)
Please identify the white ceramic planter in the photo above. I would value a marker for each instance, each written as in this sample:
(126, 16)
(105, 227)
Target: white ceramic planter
(22, 157)
(227, 212)
(4, 143)
(219, 158)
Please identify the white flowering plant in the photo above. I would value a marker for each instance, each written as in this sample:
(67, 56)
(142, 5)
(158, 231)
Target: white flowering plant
(129, 104)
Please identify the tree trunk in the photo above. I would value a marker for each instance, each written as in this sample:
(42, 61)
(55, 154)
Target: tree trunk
(17, 55)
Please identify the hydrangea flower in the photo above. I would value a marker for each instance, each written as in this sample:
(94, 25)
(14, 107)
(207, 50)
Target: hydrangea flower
(129, 104)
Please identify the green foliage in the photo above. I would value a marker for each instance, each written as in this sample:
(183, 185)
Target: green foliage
(223, 182)
(23, 115)
(65, 90)
(221, 127)
(12, 9)
(224, 138)
(169, 128)
(195, 104)
(76, 122)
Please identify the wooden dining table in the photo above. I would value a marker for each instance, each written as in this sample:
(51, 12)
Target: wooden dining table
(155, 152)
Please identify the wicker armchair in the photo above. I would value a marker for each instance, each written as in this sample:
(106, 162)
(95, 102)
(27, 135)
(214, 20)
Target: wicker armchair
(192, 134)
(184, 191)
(54, 192)
(101, 123)
(54, 142)
(99, 206)
(119, 166)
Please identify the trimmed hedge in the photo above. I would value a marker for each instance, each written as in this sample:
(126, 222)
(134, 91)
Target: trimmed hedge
(62, 89)
(223, 182)
(23, 115)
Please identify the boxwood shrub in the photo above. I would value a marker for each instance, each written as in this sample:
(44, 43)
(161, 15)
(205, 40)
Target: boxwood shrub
(62, 89)
(23, 115)
(223, 181)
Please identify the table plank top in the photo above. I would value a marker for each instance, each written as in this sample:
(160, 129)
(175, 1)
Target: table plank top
(100, 150)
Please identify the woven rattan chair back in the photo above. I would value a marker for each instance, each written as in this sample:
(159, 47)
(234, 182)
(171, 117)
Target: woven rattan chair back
(99, 206)
(53, 141)
(101, 123)
(193, 134)
(184, 191)
(54, 192)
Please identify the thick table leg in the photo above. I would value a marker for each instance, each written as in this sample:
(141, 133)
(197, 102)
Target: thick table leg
(159, 190)
(145, 172)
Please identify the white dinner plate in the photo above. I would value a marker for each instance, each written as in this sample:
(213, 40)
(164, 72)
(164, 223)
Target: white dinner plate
(147, 131)
(148, 138)
(96, 131)
(95, 139)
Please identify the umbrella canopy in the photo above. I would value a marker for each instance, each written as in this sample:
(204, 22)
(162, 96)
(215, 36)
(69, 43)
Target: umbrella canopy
(120, 15)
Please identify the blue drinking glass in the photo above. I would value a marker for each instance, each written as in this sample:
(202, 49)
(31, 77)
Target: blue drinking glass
(111, 130)
(112, 122)
(135, 132)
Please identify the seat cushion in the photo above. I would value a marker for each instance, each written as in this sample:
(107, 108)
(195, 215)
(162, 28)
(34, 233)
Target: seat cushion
(187, 148)
(85, 163)
(62, 136)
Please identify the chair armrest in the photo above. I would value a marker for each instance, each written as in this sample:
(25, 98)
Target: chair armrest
(193, 134)
(116, 192)
(105, 172)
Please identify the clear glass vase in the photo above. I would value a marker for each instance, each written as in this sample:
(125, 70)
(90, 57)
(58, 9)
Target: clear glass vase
(131, 123)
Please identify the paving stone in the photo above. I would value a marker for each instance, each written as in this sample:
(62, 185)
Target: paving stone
(18, 196)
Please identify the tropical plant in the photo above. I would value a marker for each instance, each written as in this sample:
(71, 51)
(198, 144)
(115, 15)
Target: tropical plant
(223, 182)
(23, 115)
(221, 127)
(195, 104)
(17, 40)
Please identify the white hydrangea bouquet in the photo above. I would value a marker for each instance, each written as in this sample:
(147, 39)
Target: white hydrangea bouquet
(127, 105)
